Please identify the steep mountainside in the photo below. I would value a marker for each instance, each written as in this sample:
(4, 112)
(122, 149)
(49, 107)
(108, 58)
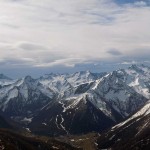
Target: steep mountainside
(133, 133)
(82, 118)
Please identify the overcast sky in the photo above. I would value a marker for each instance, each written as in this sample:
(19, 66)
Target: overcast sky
(43, 36)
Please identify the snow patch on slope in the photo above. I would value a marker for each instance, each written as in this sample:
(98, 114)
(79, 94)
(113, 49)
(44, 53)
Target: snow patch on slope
(142, 112)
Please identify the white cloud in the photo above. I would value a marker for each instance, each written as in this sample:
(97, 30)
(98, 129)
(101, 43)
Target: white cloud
(52, 32)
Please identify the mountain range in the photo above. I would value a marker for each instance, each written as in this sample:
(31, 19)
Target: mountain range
(58, 104)
(111, 104)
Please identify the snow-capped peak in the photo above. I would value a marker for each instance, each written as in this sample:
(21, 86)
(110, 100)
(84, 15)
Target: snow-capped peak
(28, 79)
(139, 69)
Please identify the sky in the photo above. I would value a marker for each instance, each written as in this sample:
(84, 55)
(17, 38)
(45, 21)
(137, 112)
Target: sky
(43, 36)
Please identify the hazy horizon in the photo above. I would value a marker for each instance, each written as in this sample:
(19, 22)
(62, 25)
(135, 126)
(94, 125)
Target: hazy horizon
(106, 68)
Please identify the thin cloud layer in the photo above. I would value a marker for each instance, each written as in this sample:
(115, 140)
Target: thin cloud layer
(48, 33)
